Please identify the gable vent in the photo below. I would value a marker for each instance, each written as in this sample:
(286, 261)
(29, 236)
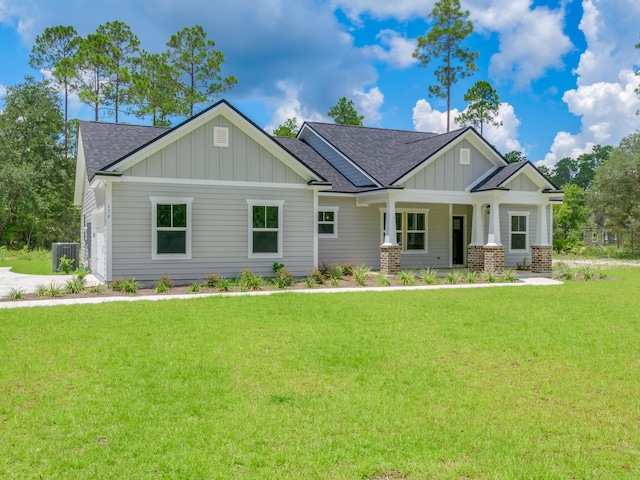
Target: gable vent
(220, 137)
(465, 156)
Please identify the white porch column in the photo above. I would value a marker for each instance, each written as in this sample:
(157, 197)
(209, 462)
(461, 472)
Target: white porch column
(494, 225)
(390, 237)
(542, 235)
(477, 234)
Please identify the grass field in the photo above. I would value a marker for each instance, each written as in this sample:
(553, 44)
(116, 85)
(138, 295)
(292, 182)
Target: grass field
(32, 262)
(491, 383)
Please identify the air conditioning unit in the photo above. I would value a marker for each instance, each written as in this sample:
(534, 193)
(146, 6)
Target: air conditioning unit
(68, 250)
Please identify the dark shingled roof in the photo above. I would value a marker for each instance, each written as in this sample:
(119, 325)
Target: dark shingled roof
(104, 143)
(501, 175)
(386, 155)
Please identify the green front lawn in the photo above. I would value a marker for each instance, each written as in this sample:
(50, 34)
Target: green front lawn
(32, 262)
(489, 383)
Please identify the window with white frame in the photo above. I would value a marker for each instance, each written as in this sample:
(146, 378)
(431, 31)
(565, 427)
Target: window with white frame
(518, 231)
(411, 229)
(170, 227)
(328, 222)
(265, 228)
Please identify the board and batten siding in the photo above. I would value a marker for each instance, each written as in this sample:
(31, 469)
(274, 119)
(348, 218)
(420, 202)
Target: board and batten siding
(522, 183)
(358, 240)
(193, 156)
(219, 231)
(90, 200)
(446, 173)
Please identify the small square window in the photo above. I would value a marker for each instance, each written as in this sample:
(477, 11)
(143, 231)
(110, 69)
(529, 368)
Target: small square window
(328, 222)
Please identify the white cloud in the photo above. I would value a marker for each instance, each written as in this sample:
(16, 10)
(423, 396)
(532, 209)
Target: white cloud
(531, 39)
(398, 9)
(394, 49)
(3, 90)
(607, 111)
(504, 138)
(289, 106)
(368, 104)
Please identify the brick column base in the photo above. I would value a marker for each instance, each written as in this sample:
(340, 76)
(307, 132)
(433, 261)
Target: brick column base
(390, 259)
(493, 259)
(475, 258)
(541, 259)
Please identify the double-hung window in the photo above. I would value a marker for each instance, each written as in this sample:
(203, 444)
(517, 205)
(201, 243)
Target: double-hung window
(170, 227)
(518, 231)
(265, 228)
(328, 222)
(411, 229)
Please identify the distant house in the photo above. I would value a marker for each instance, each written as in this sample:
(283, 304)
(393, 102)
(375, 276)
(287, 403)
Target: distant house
(219, 194)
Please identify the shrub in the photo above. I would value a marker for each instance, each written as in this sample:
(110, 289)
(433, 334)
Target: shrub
(16, 293)
(454, 277)
(130, 286)
(250, 281)
(54, 289)
(470, 276)
(524, 264)
(77, 284)
(223, 284)
(347, 269)
(360, 274)
(65, 265)
(284, 278)
(165, 280)
(587, 272)
(161, 287)
(212, 279)
(335, 273)
(316, 276)
(382, 280)
(407, 278)
(510, 275)
(95, 289)
(429, 275)
(489, 277)
(117, 285)
(561, 271)
(277, 267)
(41, 290)
(195, 287)
(309, 282)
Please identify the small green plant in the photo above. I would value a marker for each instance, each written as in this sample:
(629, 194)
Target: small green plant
(455, 276)
(54, 289)
(347, 269)
(510, 275)
(117, 285)
(309, 282)
(602, 276)
(587, 272)
(382, 280)
(489, 277)
(66, 265)
(130, 286)
(470, 276)
(335, 273)
(360, 274)
(284, 278)
(211, 279)
(250, 281)
(41, 290)
(195, 287)
(223, 284)
(407, 278)
(165, 280)
(429, 275)
(277, 267)
(161, 287)
(76, 284)
(524, 264)
(95, 289)
(316, 276)
(16, 293)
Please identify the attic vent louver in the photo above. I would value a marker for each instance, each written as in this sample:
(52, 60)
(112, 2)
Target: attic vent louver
(220, 137)
(465, 156)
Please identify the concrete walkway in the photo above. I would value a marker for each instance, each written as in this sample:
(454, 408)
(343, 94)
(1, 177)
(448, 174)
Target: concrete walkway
(29, 283)
(525, 281)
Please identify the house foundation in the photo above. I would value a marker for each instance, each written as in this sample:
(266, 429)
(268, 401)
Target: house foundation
(475, 258)
(541, 259)
(493, 258)
(390, 259)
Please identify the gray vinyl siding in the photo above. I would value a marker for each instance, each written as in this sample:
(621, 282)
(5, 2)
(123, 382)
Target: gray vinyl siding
(522, 183)
(193, 156)
(511, 259)
(358, 240)
(220, 232)
(438, 224)
(341, 164)
(89, 205)
(446, 173)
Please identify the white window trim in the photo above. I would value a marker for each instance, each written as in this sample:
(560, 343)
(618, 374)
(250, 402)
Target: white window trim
(526, 233)
(265, 203)
(154, 237)
(403, 212)
(334, 223)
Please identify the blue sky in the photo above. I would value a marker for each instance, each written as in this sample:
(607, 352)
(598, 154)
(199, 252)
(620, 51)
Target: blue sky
(564, 69)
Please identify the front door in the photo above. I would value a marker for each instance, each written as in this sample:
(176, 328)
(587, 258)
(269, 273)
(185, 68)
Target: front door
(457, 240)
